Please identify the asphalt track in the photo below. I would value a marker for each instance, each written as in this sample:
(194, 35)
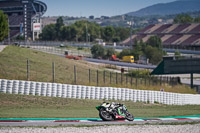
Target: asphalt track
(92, 121)
(120, 63)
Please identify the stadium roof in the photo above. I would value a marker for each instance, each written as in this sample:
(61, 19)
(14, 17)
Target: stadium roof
(16, 6)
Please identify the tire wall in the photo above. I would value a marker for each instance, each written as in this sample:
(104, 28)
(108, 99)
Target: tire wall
(92, 92)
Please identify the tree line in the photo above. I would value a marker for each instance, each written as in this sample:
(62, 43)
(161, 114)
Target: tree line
(83, 31)
(185, 18)
(3, 26)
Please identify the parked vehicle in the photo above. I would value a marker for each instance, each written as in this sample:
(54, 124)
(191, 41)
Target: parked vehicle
(114, 58)
(72, 56)
(129, 59)
(114, 111)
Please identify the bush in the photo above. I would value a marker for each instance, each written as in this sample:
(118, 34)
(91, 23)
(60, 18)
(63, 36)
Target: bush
(109, 52)
(125, 52)
(80, 48)
(139, 73)
(153, 54)
(97, 51)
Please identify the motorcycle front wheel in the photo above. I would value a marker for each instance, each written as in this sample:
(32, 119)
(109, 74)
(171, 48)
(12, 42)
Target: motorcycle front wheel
(104, 115)
(129, 116)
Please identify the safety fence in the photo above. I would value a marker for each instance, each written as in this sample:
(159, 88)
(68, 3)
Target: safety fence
(66, 73)
(92, 92)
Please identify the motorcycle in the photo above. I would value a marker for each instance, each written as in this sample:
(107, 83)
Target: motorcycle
(114, 111)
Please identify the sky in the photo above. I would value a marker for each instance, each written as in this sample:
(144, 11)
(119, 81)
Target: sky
(97, 8)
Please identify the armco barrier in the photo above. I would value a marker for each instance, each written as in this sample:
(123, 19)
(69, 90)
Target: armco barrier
(91, 92)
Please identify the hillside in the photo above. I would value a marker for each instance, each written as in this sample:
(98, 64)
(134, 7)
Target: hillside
(177, 7)
(13, 66)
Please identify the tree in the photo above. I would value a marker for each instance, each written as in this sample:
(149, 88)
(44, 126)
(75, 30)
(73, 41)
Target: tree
(65, 33)
(97, 51)
(137, 50)
(153, 54)
(68, 33)
(81, 30)
(122, 33)
(108, 33)
(94, 31)
(59, 24)
(177, 53)
(73, 33)
(116, 39)
(109, 52)
(197, 20)
(48, 32)
(3, 26)
(155, 41)
(125, 52)
(85, 31)
(183, 18)
(153, 49)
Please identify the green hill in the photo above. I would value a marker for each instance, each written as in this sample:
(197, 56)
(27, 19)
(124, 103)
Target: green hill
(175, 7)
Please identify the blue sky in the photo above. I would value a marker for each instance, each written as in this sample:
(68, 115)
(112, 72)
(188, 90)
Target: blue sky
(97, 8)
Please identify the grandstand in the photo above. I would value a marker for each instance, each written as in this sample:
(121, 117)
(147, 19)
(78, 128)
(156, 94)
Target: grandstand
(182, 36)
(21, 16)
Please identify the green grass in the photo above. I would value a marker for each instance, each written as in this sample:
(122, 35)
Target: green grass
(21, 106)
(13, 66)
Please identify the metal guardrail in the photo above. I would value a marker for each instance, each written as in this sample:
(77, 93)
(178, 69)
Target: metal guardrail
(87, 45)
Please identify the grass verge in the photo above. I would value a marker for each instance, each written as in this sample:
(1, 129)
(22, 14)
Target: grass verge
(21, 106)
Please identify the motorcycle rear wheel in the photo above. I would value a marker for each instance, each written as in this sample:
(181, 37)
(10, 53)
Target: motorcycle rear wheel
(104, 115)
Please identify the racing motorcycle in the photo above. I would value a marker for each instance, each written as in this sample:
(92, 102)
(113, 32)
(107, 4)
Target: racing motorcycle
(114, 111)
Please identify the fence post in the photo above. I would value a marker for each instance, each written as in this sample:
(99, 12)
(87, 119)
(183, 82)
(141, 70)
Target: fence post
(97, 78)
(141, 82)
(27, 69)
(121, 78)
(149, 80)
(126, 80)
(104, 77)
(136, 81)
(116, 78)
(131, 79)
(160, 80)
(157, 78)
(152, 80)
(89, 76)
(53, 71)
(110, 77)
(167, 80)
(75, 74)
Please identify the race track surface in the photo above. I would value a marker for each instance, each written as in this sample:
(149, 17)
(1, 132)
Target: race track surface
(92, 121)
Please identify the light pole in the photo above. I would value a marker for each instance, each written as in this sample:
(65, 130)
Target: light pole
(86, 37)
(76, 38)
(8, 32)
(131, 25)
(89, 37)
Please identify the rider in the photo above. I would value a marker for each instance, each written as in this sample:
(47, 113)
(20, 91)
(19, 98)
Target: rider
(111, 105)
